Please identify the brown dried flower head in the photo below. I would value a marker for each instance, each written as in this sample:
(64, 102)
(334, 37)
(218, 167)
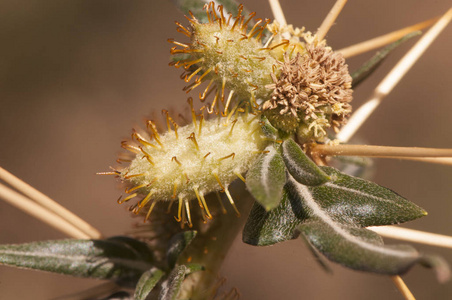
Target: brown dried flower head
(311, 93)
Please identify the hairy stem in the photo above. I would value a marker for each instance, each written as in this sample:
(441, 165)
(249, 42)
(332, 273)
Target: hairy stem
(211, 246)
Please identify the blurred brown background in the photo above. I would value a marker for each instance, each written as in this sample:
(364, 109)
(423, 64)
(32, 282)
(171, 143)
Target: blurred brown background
(76, 76)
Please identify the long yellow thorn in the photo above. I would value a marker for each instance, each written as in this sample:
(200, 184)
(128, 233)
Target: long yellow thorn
(49, 204)
(330, 18)
(383, 40)
(232, 202)
(45, 215)
(393, 78)
(402, 287)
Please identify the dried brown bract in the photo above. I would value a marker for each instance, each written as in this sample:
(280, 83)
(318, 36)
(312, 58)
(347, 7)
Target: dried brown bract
(314, 88)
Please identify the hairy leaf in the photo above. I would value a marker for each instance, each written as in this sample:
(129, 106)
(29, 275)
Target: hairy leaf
(300, 166)
(346, 199)
(317, 255)
(278, 225)
(121, 295)
(372, 64)
(147, 282)
(358, 166)
(268, 129)
(197, 8)
(266, 178)
(354, 247)
(192, 268)
(171, 287)
(359, 202)
(121, 258)
(362, 249)
(178, 243)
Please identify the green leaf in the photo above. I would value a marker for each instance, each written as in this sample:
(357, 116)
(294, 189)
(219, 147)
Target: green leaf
(300, 166)
(171, 286)
(171, 289)
(192, 268)
(197, 8)
(268, 129)
(355, 201)
(147, 282)
(278, 225)
(353, 165)
(178, 243)
(118, 259)
(372, 64)
(363, 250)
(317, 255)
(266, 178)
(346, 199)
(140, 248)
(354, 247)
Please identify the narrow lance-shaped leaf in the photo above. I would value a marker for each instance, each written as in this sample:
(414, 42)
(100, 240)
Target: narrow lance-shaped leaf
(346, 199)
(171, 287)
(357, 248)
(354, 165)
(278, 225)
(318, 256)
(178, 243)
(120, 260)
(372, 64)
(352, 200)
(268, 130)
(121, 295)
(147, 282)
(300, 166)
(266, 178)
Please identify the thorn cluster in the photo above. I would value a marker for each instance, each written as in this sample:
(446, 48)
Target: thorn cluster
(227, 53)
(188, 162)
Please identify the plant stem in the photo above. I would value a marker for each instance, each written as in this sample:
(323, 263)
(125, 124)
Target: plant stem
(379, 151)
(402, 287)
(49, 204)
(211, 246)
(383, 40)
(393, 78)
(330, 18)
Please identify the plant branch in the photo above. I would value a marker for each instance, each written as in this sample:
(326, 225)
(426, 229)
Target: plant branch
(379, 151)
(277, 11)
(411, 235)
(383, 40)
(49, 204)
(37, 211)
(393, 78)
(402, 287)
(330, 18)
(434, 160)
